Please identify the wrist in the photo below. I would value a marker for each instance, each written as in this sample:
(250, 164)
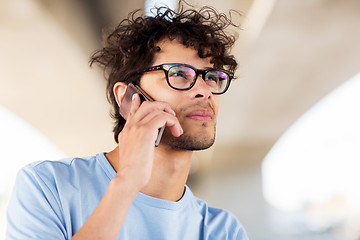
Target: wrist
(124, 186)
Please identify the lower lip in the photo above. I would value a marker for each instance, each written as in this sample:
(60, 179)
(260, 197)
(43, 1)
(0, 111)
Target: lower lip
(200, 118)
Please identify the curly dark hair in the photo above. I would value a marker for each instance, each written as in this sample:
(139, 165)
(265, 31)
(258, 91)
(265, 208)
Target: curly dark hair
(132, 45)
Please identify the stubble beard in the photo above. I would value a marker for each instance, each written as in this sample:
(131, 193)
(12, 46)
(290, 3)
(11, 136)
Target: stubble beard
(188, 141)
(196, 136)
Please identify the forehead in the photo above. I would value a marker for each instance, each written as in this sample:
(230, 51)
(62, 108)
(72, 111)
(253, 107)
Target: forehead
(172, 51)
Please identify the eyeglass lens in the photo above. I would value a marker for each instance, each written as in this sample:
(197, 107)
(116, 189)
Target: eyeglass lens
(182, 77)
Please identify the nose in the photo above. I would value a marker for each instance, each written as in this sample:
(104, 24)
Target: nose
(200, 89)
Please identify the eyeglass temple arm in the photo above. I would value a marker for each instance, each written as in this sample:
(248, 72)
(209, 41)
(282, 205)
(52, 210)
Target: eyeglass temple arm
(149, 69)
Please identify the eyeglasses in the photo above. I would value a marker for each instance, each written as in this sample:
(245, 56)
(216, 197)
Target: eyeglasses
(183, 77)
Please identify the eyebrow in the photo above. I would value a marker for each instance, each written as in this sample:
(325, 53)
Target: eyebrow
(204, 69)
(208, 68)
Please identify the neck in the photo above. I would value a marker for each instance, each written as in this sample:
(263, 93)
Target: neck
(169, 173)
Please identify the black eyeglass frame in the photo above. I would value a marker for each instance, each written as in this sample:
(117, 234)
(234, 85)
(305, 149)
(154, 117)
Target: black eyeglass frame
(166, 67)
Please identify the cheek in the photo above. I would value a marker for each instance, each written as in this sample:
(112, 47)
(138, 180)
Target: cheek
(155, 85)
(216, 104)
(160, 91)
(175, 103)
(168, 96)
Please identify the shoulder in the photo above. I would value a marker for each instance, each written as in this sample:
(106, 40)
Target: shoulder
(51, 174)
(65, 163)
(221, 223)
(49, 192)
(62, 166)
(215, 213)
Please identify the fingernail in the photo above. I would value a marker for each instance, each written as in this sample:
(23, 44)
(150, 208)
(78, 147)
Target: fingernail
(133, 97)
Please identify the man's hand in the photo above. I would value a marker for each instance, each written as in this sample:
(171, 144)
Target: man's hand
(136, 152)
(137, 139)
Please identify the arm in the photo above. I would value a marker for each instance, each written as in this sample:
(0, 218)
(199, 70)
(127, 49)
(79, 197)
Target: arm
(136, 153)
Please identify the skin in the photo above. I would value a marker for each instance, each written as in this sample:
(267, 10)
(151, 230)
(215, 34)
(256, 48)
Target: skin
(190, 116)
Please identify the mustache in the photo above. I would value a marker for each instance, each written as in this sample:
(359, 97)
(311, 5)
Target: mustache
(198, 104)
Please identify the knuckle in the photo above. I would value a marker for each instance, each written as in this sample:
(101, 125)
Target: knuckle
(145, 103)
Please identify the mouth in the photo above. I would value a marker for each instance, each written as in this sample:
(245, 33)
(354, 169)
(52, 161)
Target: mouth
(201, 115)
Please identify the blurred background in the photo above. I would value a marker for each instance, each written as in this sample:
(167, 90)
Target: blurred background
(287, 156)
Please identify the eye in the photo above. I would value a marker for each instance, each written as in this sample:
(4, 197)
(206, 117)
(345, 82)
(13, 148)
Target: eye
(177, 73)
(181, 77)
(212, 76)
(181, 72)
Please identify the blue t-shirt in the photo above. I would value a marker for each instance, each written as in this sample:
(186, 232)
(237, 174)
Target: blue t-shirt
(53, 199)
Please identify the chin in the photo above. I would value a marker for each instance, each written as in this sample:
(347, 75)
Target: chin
(189, 142)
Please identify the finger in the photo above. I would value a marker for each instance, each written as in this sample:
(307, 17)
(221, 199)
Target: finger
(164, 106)
(158, 119)
(149, 107)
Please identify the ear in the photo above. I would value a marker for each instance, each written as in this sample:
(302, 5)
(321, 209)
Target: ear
(119, 91)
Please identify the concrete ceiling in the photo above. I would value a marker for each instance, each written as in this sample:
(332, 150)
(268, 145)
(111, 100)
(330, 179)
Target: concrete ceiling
(291, 53)
(305, 50)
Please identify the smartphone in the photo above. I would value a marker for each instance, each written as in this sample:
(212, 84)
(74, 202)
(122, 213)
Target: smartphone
(126, 104)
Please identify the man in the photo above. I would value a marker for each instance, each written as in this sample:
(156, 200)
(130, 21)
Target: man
(138, 191)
